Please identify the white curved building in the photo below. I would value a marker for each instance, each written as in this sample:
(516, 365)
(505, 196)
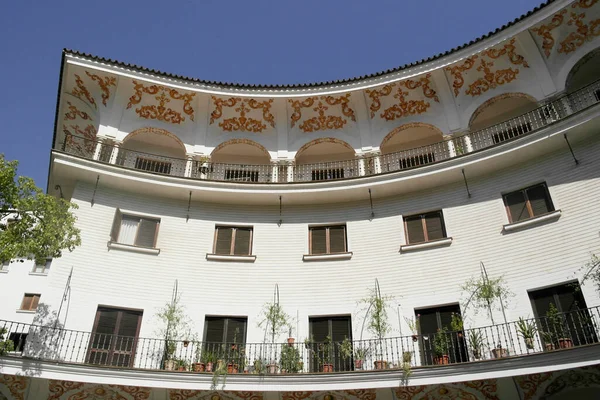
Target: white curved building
(484, 159)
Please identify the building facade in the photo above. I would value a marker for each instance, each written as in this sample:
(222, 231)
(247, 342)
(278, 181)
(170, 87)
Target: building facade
(367, 210)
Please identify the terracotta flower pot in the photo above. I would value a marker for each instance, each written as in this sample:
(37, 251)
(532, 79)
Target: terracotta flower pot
(198, 367)
(380, 364)
(170, 365)
(549, 346)
(181, 368)
(358, 364)
(441, 360)
(209, 367)
(499, 353)
(327, 368)
(529, 343)
(291, 340)
(565, 343)
(272, 368)
(232, 368)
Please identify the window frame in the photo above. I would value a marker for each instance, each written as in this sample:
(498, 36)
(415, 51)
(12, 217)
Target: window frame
(116, 230)
(424, 227)
(226, 320)
(327, 239)
(34, 297)
(44, 268)
(527, 202)
(233, 237)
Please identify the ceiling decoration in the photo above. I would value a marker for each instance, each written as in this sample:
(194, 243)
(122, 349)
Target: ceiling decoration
(16, 385)
(322, 121)
(185, 394)
(82, 140)
(488, 77)
(62, 390)
(548, 384)
(104, 83)
(403, 107)
(73, 113)
(586, 29)
(472, 390)
(164, 96)
(241, 122)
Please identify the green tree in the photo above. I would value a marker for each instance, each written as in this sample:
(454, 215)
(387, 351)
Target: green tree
(41, 226)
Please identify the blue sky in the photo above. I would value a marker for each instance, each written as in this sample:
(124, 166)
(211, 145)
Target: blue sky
(235, 41)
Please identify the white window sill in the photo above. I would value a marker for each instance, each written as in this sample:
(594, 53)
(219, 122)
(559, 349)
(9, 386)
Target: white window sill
(135, 249)
(327, 257)
(38, 273)
(3, 271)
(531, 221)
(227, 257)
(427, 245)
(26, 311)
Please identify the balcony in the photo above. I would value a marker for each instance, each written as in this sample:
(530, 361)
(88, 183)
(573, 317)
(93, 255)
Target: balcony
(484, 346)
(286, 172)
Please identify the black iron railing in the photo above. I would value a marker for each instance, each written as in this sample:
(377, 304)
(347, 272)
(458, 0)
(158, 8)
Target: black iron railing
(533, 336)
(514, 128)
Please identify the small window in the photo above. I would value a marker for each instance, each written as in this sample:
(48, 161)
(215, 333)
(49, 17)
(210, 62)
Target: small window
(424, 227)
(230, 240)
(327, 239)
(30, 302)
(43, 268)
(134, 230)
(528, 203)
(4, 265)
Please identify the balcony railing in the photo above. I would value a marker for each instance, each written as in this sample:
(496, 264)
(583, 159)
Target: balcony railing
(484, 344)
(512, 129)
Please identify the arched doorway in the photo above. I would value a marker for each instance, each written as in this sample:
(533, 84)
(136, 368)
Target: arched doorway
(153, 150)
(412, 145)
(240, 160)
(325, 159)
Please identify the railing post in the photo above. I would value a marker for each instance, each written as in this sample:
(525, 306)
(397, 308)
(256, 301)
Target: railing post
(188, 166)
(115, 153)
(275, 170)
(361, 165)
(451, 146)
(98, 149)
(290, 170)
(373, 161)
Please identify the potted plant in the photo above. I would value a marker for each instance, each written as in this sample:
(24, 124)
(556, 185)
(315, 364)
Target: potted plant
(220, 371)
(406, 366)
(440, 347)
(199, 365)
(456, 324)
(499, 351)
(413, 325)
(6, 345)
(290, 360)
(377, 320)
(173, 328)
(290, 338)
(274, 321)
(485, 292)
(558, 328)
(527, 330)
(259, 366)
(208, 358)
(326, 355)
(181, 365)
(360, 354)
(345, 349)
(476, 343)
(170, 360)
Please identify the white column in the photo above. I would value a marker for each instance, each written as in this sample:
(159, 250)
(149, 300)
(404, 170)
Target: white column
(290, 170)
(281, 125)
(468, 144)
(373, 157)
(115, 153)
(447, 99)
(188, 166)
(361, 165)
(98, 150)
(451, 148)
(275, 171)
(363, 121)
(536, 62)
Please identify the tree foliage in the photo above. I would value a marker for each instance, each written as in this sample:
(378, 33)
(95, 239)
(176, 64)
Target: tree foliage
(41, 226)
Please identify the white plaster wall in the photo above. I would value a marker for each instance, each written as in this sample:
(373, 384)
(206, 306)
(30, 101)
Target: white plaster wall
(539, 256)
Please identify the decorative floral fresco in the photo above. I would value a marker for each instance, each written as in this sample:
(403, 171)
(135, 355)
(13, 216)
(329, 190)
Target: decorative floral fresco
(325, 118)
(241, 121)
(104, 83)
(13, 386)
(161, 111)
(182, 394)
(67, 390)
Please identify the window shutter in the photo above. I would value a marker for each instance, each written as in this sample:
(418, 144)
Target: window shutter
(435, 226)
(223, 245)
(414, 228)
(128, 325)
(242, 241)
(26, 303)
(116, 227)
(234, 324)
(34, 301)
(318, 240)
(319, 329)
(340, 329)
(539, 200)
(107, 321)
(517, 205)
(146, 234)
(337, 239)
(214, 330)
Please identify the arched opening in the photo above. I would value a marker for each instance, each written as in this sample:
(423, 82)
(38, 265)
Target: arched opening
(241, 160)
(584, 72)
(325, 159)
(501, 109)
(153, 150)
(412, 145)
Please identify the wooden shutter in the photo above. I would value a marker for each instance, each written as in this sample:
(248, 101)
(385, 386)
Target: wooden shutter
(517, 206)
(340, 329)
(34, 301)
(242, 245)
(116, 227)
(128, 325)
(214, 330)
(414, 229)
(146, 234)
(223, 240)
(26, 303)
(337, 239)
(539, 200)
(318, 240)
(319, 329)
(435, 226)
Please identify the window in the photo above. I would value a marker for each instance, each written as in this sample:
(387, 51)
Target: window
(231, 240)
(146, 164)
(326, 174)
(30, 302)
(241, 175)
(424, 227)
(134, 230)
(4, 266)
(511, 132)
(327, 239)
(568, 299)
(430, 321)
(334, 329)
(225, 330)
(19, 340)
(528, 203)
(114, 337)
(42, 269)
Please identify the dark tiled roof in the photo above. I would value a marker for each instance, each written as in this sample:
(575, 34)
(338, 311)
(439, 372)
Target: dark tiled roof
(303, 85)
